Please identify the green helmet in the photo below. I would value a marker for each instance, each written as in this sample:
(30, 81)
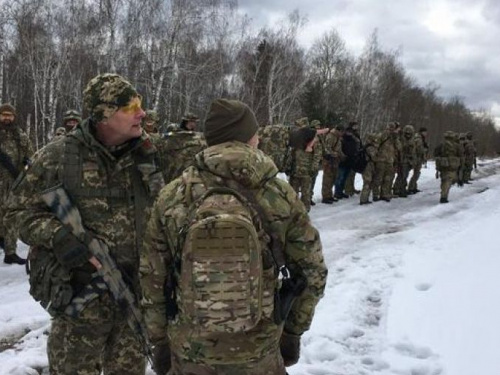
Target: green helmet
(316, 124)
(151, 115)
(72, 114)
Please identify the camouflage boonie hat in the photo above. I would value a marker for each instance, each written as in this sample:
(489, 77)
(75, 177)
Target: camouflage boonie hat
(301, 122)
(190, 117)
(316, 124)
(105, 94)
(151, 116)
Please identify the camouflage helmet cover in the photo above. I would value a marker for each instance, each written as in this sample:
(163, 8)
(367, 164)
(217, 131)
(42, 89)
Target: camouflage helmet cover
(448, 134)
(190, 117)
(72, 114)
(105, 94)
(409, 129)
(151, 115)
(301, 122)
(468, 135)
(315, 124)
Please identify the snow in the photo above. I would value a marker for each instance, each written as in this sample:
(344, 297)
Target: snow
(412, 288)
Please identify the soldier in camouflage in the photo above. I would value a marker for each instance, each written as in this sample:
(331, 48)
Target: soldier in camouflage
(470, 157)
(232, 156)
(274, 142)
(407, 161)
(350, 188)
(371, 147)
(179, 147)
(388, 149)
(71, 120)
(331, 159)
(108, 167)
(318, 151)
(189, 122)
(150, 122)
(421, 150)
(305, 158)
(15, 154)
(449, 161)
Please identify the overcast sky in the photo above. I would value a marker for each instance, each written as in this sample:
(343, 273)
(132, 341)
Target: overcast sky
(454, 43)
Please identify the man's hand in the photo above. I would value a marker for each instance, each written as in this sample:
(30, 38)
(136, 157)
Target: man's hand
(290, 348)
(69, 250)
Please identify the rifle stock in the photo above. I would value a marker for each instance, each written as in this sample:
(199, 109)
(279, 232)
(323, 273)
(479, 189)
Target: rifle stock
(60, 204)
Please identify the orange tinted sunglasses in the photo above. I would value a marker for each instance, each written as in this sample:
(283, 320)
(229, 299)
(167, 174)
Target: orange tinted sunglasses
(134, 106)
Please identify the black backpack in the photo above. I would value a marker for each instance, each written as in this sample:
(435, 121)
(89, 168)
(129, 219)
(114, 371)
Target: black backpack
(360, 161)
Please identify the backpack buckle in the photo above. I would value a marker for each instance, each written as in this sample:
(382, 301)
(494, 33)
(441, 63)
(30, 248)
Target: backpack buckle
(284, 273)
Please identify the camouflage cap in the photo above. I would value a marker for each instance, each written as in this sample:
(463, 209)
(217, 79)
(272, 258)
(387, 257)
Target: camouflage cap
(315, 124)
(190, 117)
(105, 94)
(7, 108)
(448, 134)
(301, 122)
(72, 114)
(151, 115)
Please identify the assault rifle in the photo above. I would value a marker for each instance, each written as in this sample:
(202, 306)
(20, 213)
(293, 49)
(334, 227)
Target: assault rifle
(60, 204)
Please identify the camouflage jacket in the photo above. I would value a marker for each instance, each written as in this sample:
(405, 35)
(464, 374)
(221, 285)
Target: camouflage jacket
(273, 140)
(408, 152)
(14, 143)
(333, 146)
(288, 220)
(306, 164)
(100, 182)
(389, 148)
(177, 150)
(448, 155)
(469, 152)
(420, 149)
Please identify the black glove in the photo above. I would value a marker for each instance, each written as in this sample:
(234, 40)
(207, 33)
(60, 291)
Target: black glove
(69, 250)
(290, 348)
(329, 158)
(161, 358)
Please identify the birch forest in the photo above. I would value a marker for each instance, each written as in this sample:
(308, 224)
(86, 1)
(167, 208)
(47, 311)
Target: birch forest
(182, 54)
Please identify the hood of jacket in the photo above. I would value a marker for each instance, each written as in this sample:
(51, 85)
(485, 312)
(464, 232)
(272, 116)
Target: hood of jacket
(237, 161)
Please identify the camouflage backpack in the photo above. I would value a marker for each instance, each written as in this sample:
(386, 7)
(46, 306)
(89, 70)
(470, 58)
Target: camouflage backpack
(220, 283)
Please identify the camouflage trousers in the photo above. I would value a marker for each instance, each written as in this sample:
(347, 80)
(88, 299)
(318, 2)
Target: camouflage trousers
(271, 364)
(9, 235)
(349, 183)
(99, 340)
(330, 170)
(412, 185)
(382, 182)
(467, 171)
(368, 176)
(448, 178)
(401, 182)
(313, 183)
(302, 186)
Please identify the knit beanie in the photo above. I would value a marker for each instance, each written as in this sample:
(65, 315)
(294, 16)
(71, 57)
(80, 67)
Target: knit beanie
(7, 107)
(229, 120)
(105, 94)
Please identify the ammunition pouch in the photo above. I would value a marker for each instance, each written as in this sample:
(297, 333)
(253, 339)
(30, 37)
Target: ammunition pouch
(49, 280)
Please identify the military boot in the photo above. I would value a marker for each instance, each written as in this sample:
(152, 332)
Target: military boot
(14, 259)
(443, 200)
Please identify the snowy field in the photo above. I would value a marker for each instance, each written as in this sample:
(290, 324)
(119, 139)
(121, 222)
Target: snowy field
(413, 288)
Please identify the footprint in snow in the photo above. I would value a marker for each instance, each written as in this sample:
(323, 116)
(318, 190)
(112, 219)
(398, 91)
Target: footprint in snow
(423, 287)
(410, 350)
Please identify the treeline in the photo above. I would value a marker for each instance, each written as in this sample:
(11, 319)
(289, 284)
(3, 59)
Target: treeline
(181, 54)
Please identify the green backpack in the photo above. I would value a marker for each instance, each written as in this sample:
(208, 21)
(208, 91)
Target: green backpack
(220, 284)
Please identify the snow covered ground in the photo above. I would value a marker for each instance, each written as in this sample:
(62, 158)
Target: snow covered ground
(413, 288)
